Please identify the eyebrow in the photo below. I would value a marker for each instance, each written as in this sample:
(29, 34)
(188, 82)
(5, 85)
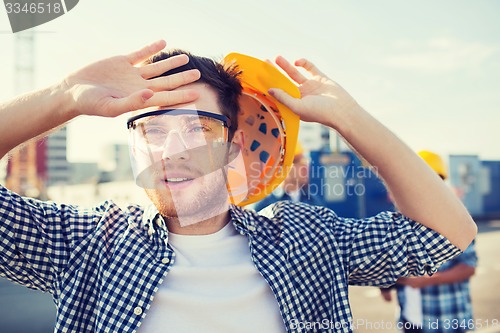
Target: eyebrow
(161, 121)
(191, 119)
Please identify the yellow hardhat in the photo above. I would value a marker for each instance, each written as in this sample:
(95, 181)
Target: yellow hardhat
(299, 149)
(435, 162)
(270, 128)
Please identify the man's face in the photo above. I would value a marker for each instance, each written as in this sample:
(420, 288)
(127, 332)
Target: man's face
(298, 175)
(186, 176)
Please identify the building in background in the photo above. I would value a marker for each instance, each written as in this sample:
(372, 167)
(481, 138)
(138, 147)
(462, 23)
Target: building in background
(27, 170)
(477, 183)
(84, 173)
(58, 167)
(467, 179)
(491, 195)
(114, 164)
(38, 164)
(109, 179)
(123, 193)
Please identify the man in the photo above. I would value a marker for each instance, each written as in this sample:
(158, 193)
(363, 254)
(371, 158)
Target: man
(154, 269)
(441, 302)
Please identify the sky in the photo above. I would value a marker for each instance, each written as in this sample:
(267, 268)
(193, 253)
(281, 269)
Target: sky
(428, 69)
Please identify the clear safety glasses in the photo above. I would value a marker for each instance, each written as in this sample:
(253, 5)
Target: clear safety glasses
(153, 130)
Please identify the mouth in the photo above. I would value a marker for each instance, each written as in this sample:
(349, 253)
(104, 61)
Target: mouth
(178, 183)
(177, 180)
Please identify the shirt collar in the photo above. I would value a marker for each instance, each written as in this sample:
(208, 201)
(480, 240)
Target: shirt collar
(153, 221)
(242, 219)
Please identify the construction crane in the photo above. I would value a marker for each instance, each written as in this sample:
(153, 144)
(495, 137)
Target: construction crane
(26, 171)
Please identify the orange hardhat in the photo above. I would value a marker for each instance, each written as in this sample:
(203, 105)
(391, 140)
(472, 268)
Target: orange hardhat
(435, 162)
(270, 129)
(299, 149)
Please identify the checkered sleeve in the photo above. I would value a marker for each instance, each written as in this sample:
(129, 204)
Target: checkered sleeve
(389, 245)
(36, 238)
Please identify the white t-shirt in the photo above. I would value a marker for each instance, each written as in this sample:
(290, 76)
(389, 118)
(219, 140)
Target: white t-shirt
(412, 310)
(213, 287)
(294, 196)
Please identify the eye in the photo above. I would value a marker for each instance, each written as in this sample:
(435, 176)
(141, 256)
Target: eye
(202, 125)
(198, 129)
(154, 131)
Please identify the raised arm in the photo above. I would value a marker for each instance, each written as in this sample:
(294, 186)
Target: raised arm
(107, 88)
(416, 189)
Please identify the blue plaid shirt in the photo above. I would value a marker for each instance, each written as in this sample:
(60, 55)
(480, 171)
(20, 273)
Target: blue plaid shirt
(447, 308)
(104, 265)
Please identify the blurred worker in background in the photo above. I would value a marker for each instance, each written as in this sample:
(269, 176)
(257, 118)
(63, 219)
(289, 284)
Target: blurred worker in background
(441, 302)
(295, 187)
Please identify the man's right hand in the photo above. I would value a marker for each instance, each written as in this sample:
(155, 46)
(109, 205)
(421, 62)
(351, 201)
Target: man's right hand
(120, 84)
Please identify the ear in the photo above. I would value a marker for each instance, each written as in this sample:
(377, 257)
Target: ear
(237, 144)
(239, 138)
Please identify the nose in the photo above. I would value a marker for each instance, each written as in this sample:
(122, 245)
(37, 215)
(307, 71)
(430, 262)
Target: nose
(174, 147)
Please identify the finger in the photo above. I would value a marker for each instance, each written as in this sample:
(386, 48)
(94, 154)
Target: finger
(291, 70)
(162, 66)
(271, 63)
(169, 98)
(146, 98)
(147, 51)
(132, 102)
(309, 66)
(284, 98)
(174, 81)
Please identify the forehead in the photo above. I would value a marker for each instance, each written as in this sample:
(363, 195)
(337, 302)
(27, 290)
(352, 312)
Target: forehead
(207, 100)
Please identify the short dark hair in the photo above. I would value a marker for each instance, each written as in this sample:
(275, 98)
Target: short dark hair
(224, 79)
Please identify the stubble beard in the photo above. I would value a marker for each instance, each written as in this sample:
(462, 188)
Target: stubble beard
(190, 207)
